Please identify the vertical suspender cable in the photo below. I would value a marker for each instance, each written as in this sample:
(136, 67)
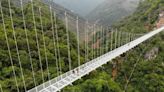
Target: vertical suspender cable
(16, 44)
(127, 37)
(99, 37)
(37, 42)
(85, 41)
(45, 49)
(100, 40)
(111, 47)
(119, 38)
(122, 38)
(58, 63)
(104, 49)
(107, 40)
(124, 34)
(87, 33)
(57, 41)
(94, 40)
(28, 46)
(115, 38)
(92, 44)
(97, 41)
(102, 43)
(132, 35)
(68, 42)
(78, 42)
(8, 46)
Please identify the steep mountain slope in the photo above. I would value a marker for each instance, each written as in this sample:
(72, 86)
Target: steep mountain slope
(58, 9)
(60, 13)
(111, 11)
(148, 74)
(145, 17)
(37, 44)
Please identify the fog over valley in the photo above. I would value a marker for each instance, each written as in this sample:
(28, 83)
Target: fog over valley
(82, 7)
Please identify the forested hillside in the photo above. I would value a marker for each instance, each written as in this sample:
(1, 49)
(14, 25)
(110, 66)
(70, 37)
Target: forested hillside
(145, 17)
(45, 31)
(60, 13)
(112, 11)
(138, 70)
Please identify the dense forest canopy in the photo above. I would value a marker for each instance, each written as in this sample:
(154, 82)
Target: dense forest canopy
(45, 31)
(147, 75)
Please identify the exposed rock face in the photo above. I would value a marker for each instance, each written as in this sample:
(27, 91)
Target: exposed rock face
(160, 23)
(151, 54)
(114, 70)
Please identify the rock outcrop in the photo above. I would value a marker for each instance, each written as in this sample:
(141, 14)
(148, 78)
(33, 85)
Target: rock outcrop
(151, 54)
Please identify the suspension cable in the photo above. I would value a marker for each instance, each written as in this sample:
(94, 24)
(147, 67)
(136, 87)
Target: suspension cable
(16, 44)
(107, 41)
(101, 50)
(45, 48)
(99, 35)
(92, 41)
(96, 40)
(102, 41)
(115, 38)
(86, 41)
(8, 46)
(78, 42)
(28, 46)
(68, 40)
(111, 48)
(119, 38)
(37, 42)
(58, 63)
(57, 41)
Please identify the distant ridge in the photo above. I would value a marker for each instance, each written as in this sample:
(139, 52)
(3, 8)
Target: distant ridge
(111, 11)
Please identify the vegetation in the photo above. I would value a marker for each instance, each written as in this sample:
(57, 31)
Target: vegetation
(7, 80)
(148, 74)
(145, 17)
(112, 11)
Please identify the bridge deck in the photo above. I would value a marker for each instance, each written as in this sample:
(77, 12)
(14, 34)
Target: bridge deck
(68, 78)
